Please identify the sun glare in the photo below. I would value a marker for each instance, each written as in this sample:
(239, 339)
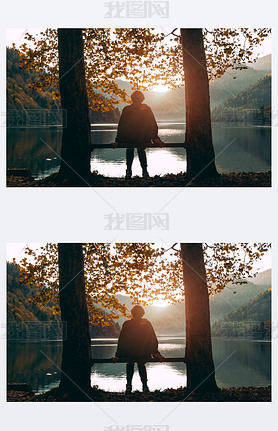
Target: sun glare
(160, 303)
(160, 88)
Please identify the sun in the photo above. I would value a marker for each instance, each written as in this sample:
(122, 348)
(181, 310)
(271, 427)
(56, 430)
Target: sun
(160, 88)
(160, 303)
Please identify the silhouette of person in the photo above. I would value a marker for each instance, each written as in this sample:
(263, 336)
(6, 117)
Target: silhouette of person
(138, 342)
(137, 127)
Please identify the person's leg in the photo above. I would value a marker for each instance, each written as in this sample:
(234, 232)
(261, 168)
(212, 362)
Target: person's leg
(143, 375)
(129, 161)
(129, 376)
(143, 161)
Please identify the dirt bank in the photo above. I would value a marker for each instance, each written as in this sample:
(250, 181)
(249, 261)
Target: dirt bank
(242, 179)
(251, 394)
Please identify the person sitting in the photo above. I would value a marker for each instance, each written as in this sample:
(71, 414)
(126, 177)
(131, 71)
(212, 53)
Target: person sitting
(137, 128)
(137, 342)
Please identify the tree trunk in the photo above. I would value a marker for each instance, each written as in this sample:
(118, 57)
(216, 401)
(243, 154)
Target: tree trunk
(200, 366)
(76, 140)
(75, 378)
(198, 137)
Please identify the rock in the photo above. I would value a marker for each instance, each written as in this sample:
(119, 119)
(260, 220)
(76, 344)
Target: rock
(19, 172)
(22, 387)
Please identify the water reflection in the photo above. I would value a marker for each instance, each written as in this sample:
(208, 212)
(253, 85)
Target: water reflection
(27, 362)
(237, 362)
(237, 149)
(249, 149)
(250, 364)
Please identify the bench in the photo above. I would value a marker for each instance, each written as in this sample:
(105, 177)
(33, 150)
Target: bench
(152, 145)
(127, 360)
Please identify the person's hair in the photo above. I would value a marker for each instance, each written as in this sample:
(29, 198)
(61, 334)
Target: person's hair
(137, 96)
(137, 311)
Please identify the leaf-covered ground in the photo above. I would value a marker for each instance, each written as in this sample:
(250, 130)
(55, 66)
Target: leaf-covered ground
(251, 394)
(242, 179)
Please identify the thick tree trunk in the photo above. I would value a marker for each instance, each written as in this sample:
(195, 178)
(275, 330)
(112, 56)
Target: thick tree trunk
(76, 140)
(198, 137)
(75, 378)
(200, 366)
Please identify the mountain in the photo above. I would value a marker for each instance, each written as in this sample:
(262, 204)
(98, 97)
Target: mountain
(170, 105)
(233, 297)
(166, 106)
(23, 317)
(33, 322)
(19, 94)
(168, 320)
(256, 310)
(253, 103)
(263, 63)
(232, 83)
(22, 100)
(263, 277)
(165, 320)
(171, 319)
(251, 319)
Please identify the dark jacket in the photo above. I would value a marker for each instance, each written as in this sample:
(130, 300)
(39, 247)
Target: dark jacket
(137, 339)
(137, 125)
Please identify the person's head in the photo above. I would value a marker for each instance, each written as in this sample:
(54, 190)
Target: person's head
(137, 96)
(137, 311)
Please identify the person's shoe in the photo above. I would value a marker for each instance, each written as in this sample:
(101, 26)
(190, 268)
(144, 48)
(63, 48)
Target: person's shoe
(145, 174)
(128, 174)
(146, 389)
(128, 389)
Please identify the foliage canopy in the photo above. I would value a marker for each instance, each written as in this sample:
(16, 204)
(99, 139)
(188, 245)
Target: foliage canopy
(143, 271)
(142, 56)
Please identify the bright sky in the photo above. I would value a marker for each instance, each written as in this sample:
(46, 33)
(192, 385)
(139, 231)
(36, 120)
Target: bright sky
(16, 35)
(16, 250)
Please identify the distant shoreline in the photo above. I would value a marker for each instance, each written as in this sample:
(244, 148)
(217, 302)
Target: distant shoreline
(173, 122)
(174, 337)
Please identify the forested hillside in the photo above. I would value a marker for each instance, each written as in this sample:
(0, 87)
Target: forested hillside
(252, 319)
(22, 100)
(254, 104)
(233, 297)
(170, 105)
(169, 320)
(236, 89)
(24, 317)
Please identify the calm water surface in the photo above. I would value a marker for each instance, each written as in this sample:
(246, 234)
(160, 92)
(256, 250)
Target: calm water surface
(248, 364)
(237, 149)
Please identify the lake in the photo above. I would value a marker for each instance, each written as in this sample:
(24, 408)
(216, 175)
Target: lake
(237, 149)
(238, 362)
